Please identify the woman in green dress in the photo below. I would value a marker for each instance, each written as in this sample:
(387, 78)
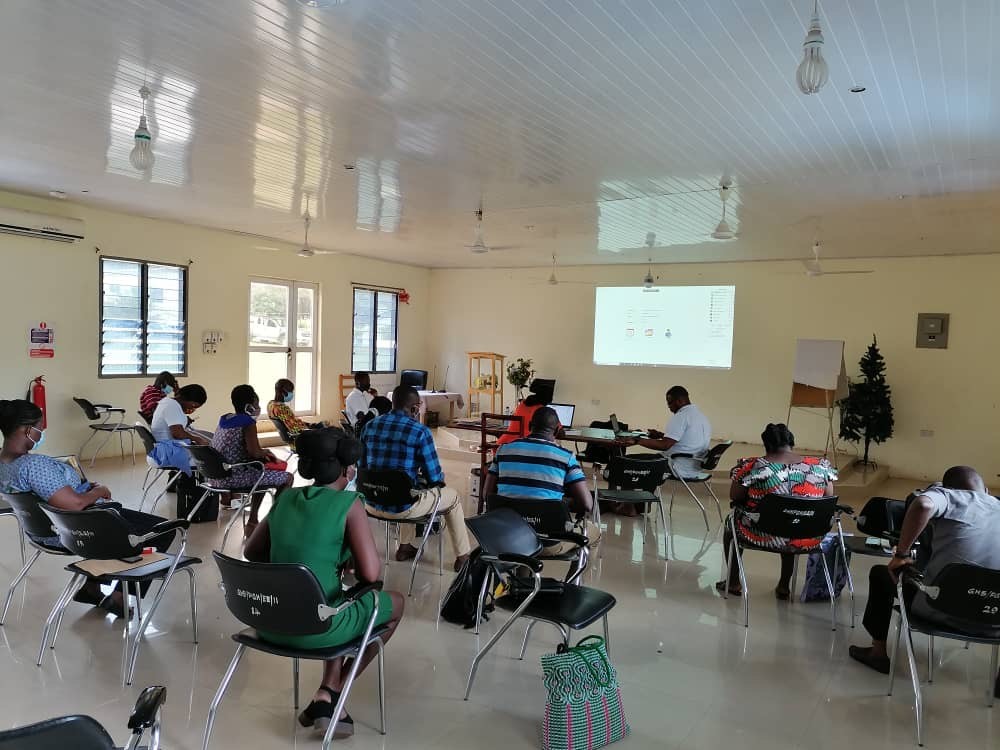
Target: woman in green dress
(324, 528)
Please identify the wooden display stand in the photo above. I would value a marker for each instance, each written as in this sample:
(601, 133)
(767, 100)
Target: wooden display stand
(819, 382)
(486, 376)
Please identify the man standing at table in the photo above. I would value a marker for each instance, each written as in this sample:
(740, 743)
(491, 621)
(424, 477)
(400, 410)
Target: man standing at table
(397, 441)
(688, 432)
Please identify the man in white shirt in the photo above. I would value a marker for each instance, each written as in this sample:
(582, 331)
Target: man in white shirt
(688, 432)
(360, 398)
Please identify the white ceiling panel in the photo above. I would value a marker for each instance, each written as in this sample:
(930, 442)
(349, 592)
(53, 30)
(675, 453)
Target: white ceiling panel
(582, 126)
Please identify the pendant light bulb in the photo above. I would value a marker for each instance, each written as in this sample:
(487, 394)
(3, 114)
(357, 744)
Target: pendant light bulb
(142, 157)
(722, 229)
(813, 71)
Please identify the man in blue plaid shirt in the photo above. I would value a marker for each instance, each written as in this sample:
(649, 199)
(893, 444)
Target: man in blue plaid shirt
(397, 441)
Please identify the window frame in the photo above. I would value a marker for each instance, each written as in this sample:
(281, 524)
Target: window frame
(144, 313)
(376, 290)
(290, 348)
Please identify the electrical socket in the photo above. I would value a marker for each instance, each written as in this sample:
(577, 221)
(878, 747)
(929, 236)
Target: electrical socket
(927, 433)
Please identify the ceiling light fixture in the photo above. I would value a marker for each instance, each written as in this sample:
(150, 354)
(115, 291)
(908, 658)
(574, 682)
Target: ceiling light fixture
(722, 230)
(142, 157)
(813, 71)
(648, 280)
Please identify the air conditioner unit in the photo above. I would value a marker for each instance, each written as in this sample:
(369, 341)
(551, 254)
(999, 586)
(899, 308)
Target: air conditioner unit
(29, 224)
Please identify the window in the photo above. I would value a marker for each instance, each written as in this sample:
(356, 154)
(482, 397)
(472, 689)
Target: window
(375, 319)
(282, 337)
(143, 318)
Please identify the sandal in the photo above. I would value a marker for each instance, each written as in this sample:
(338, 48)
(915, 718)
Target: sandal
(720, 586)
(319, 714)
(782, 595)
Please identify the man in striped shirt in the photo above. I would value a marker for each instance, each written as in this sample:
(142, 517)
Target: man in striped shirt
(537, 468)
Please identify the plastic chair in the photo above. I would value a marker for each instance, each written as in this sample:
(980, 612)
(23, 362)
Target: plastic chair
(105, 412)
(288, 599)
(636, 481)
(549, 519)
(84, 733)
(212, 466)
(703, 477)
(797, 519)
(965, 593)
(392, 491)
(154, 471)
(103, 534)
(508, 543)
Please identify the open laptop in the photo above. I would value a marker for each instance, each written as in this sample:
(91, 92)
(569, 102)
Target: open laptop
(616, 428)
(565, 412)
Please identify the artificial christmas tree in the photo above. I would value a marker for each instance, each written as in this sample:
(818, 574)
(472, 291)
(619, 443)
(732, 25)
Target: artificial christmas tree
(866, 412)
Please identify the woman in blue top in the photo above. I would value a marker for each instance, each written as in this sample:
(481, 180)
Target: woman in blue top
(58, 484)
(236, 440)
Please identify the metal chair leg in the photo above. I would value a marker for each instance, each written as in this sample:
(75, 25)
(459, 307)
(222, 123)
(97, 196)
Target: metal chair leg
(366, 640)
(130, 672)
(718, 505)
(527, 635)
(991, 693)
(666, 531)
(918, 700)
(829, 588)
(295, 684)
(420, 549)
(388, 542)
(93, 433)
(607, 636)
(381, 686)
(930, 659)
(17, 581)
(492, 642)
(62, 610)
(441, 552)
(53, 614)
(894, 653)
(238, 514)
(847, 569)
(214, 707)
(481, 602)
(193, 586)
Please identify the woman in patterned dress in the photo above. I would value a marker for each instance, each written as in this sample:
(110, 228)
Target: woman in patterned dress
(780, 471)
(236, 440)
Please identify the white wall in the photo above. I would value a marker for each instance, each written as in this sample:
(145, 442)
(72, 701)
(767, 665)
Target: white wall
(59, 284)
(952, 392)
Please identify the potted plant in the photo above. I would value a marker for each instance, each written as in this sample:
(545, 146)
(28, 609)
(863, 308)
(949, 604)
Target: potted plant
(866, 412)
(519, 374)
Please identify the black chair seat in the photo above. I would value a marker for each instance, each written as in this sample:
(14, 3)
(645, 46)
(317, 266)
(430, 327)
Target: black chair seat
(149, 572)
(575, 606)
(701, 476)
(929, 627)
(251, 639)
(416, 520)
(857, 546)
(112, 427)
(80, 732)
(628, 496)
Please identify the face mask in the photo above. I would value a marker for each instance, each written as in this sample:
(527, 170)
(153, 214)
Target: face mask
(289, 397)
(36, 444)
(252, 411)
(168, 390)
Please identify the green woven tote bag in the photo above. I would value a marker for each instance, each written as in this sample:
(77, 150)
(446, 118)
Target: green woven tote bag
(584, 707)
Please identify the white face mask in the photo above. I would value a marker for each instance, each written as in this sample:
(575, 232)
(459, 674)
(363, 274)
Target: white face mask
(36, 444)
(251, 410)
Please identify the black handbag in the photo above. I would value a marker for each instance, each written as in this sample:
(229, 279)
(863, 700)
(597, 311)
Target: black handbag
(188, 495)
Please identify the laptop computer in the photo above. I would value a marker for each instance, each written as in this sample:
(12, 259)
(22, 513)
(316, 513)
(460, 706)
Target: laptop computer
(566, 412)
(617, 430)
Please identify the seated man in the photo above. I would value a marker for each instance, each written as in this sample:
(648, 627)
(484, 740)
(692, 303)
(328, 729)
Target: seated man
(536, 468)
(360, 398)
(397, 441)
(965, 523)
(280, 409)
(688, 432)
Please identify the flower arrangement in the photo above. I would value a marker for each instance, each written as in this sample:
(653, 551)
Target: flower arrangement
(519, 374)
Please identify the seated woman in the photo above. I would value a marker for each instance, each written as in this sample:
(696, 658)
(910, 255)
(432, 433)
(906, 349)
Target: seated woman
(171, 427)
(164, 385)
(780, 471)
(324, 528)
(541, 395)
(57, 483)
(280, 409)
(236, 440)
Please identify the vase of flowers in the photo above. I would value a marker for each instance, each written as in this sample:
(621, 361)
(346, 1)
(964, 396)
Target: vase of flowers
(519, 374)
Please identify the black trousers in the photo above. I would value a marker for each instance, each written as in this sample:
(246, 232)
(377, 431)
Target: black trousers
(881, 598)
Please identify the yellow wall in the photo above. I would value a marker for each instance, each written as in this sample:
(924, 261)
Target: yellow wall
(952, 392)
(58, 283)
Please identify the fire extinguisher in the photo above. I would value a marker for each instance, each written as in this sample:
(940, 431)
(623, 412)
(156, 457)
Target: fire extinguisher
(36, 395)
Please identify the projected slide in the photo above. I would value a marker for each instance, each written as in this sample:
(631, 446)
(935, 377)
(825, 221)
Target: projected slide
(679, 326)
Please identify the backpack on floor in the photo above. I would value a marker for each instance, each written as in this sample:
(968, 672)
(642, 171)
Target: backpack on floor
(814, 589)
(459, 604)
(188, 494)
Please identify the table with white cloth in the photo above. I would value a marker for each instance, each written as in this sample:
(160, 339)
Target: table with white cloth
(443, 403)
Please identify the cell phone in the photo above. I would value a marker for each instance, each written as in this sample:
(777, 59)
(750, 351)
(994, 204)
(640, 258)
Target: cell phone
(873, 541)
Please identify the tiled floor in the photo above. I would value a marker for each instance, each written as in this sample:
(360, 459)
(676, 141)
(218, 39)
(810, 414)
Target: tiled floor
(692, 676)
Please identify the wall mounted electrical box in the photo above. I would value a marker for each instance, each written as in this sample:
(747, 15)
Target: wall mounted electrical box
(932, 330)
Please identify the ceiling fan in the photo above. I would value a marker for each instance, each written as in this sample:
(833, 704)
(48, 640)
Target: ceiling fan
(479, 246)
(554, 280)
(815, 268)
(307, 250)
